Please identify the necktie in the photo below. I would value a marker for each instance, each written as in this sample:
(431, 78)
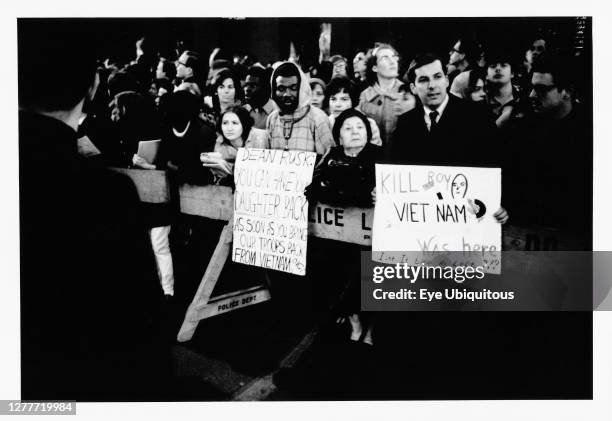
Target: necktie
(432, 116)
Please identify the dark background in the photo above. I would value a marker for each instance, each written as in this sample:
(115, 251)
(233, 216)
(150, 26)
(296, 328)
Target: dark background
(268, 38)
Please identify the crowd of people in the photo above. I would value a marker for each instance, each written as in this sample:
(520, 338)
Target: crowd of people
(473, 106)
(193, 104)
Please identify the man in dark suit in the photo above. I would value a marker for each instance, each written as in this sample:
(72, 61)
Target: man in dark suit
(89, 293)
(442, 129)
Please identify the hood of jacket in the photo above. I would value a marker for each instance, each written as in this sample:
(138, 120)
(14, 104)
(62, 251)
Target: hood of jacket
(304, 91)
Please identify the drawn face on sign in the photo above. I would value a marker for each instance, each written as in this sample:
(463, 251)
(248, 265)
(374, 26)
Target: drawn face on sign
(459, 186)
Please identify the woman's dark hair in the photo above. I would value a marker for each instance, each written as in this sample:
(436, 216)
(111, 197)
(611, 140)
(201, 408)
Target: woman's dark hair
(474, 76)
(346, 114)
(504, 52)
(245, 119)
(341, 84)
(226, 74)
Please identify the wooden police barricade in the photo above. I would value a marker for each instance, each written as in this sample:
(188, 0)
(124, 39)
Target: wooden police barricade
(214, 202)
(536, 239)
(351, 225)
(151, 185)
(552, 266)
(540, 239)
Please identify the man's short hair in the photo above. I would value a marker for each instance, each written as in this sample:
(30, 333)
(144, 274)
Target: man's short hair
(263, 75)
(287, 70)
(471, 48)
(422, 60)
(56, 63)
(258, 72)
(561, 68)
(193, 60)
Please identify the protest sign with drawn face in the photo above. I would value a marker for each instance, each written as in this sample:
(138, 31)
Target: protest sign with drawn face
(424, 210)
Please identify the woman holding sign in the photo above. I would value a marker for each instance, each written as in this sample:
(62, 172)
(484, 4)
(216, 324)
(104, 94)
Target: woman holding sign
(345, 177)
(237, 131)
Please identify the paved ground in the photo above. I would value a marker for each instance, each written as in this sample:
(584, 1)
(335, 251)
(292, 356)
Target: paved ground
(290, 348)
(248, 355)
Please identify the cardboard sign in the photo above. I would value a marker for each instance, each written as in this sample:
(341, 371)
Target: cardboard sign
(423, 212)
(270, 209)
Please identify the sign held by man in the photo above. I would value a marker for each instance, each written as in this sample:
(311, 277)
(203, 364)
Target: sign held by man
(425, 212)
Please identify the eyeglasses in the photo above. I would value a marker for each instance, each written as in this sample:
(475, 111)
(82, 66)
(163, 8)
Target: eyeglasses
(454, 50)
(178, 62)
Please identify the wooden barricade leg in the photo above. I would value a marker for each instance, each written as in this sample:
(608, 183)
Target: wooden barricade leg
(209, 280)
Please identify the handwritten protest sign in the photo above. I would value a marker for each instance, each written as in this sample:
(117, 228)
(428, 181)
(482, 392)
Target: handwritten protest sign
(423, 212)
(270, 209)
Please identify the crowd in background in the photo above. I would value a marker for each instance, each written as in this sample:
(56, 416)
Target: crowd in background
(504, 108)
(473, 105)
(204, 107)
